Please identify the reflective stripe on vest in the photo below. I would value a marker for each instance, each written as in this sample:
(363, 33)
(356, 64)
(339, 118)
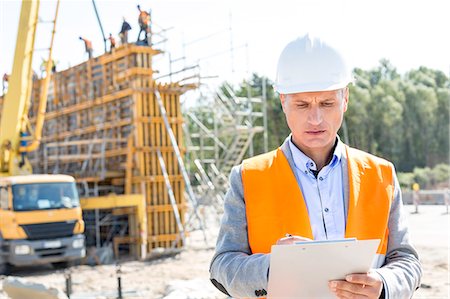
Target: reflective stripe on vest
(275, 205)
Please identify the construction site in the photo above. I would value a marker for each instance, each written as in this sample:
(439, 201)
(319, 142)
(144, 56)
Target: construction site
(146, 173)
(149, 174)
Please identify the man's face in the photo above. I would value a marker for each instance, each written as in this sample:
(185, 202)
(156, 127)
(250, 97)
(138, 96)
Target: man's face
(22, 191)
(33, 194)
(315, 117)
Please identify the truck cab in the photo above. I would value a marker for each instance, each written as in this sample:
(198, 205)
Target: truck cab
(40, 221)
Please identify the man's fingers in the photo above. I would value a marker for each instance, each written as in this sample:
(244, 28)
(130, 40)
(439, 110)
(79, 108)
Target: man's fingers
(341, 294)
(367, 285)
(368, 279)
(356, 289)
(291, 240)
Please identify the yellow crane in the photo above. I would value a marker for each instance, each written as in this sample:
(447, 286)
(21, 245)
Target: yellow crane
(40, 215)
(14, 118)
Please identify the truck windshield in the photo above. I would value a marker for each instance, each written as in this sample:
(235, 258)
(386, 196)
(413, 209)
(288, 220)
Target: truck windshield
(44, 196)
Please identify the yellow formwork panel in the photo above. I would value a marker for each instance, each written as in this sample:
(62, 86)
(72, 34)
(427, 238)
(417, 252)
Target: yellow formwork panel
(136, 201)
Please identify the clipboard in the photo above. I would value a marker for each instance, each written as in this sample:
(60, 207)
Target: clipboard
(303, 270)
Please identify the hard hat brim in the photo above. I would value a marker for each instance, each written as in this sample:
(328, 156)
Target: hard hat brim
(313, 87)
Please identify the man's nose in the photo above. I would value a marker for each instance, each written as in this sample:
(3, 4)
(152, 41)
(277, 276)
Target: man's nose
(315, 115)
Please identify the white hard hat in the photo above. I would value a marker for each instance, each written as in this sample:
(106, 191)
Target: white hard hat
(309, 64)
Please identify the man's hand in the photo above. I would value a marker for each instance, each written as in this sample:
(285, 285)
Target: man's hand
(357, 286)
(289, 240)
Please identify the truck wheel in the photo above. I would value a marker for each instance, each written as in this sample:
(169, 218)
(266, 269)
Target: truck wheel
(63, 265)
(5, 269)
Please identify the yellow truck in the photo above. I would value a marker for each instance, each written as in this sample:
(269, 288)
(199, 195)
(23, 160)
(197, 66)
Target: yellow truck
(40, 221)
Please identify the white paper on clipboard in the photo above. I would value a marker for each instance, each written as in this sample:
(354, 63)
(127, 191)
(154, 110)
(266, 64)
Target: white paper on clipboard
(303, 270)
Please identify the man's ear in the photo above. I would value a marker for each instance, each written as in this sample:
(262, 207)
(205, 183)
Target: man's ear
(346, 98)
(283, 101)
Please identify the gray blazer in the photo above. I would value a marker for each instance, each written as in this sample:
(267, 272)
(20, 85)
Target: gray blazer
(239, 273)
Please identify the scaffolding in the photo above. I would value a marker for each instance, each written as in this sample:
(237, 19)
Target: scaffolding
(105, 127)
(112, 125)
(219, 133)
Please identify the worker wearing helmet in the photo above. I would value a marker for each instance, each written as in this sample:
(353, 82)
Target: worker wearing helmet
(144, 24)
(5, 82)
(87, 46)
(112, 42)
(124, 32)
(314, 187)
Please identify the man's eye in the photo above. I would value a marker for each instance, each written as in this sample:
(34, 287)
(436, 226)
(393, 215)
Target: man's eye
(302, 105)
(328, 104)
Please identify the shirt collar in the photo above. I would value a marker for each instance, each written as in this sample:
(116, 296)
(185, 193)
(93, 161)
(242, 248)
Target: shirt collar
(305, 163)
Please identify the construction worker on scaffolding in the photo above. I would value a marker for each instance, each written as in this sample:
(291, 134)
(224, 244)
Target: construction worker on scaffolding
(5, 82)
(87, 46)
(314, 187)
(123, 34)
(24, 142)
(112, 42)
(144, 24)
(43, 67)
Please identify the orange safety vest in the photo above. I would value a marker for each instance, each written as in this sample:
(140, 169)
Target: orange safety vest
(275, 205)
(144, 19)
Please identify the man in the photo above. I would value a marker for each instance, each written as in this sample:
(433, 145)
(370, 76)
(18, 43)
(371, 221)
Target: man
(144, 24)
(33, 196)
(87, 46)
(24, 141)
(20, 198)
(112, 42)
(5, 82)
(124, 32)
(43, 67)
(314, 187)
(416, 197)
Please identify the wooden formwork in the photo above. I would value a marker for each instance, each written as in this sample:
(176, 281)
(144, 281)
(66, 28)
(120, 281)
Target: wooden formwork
(103, 126)
(151, 135)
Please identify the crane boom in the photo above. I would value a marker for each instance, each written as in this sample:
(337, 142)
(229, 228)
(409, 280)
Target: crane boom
(42, 106)
(14, 112)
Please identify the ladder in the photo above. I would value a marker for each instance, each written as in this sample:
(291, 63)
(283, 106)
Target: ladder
(44, 93)
(173, 201)
(190, 192)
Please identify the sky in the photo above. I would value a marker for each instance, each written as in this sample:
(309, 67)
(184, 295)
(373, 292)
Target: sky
(408, 33)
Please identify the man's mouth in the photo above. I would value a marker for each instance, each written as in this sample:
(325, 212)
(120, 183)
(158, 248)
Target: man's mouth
(315, 132)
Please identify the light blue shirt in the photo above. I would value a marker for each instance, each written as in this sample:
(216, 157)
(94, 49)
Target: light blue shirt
(324, 195)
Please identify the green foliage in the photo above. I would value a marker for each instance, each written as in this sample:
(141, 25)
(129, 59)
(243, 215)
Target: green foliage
(426, 177)
(441, 173)
(423, 176)
(404, 119)
(406, 180)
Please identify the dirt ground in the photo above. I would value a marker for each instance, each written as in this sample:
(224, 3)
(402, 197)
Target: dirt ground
(185, 275)
(430, 232)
